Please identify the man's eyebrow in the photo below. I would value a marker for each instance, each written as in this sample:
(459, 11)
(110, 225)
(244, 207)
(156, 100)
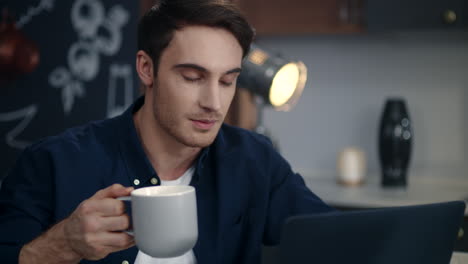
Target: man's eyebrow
(190, 66)
(202, 69)
(235, 70)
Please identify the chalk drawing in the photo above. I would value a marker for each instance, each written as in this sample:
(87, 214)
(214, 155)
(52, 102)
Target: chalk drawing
(117, 72)
(83, 60)
(34, 11)
(61, 78)
(25, 115)
(109, 44)
(97, 34)
(86, 23)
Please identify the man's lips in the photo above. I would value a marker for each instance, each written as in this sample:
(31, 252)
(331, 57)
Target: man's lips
(203, 124)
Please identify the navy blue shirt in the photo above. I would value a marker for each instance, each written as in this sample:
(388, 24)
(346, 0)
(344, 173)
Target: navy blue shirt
(245, 189)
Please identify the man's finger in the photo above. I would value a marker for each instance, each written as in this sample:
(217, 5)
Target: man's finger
(115, 223)
(117, 241)
(107, 207)
(113, 191)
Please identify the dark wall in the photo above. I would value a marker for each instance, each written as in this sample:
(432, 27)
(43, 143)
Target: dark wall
(86, 69)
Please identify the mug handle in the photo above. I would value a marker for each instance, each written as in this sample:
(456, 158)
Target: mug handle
(128, 209)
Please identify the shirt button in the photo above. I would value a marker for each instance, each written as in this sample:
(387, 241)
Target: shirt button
(154, 181)
(125, 262)
(136, 182)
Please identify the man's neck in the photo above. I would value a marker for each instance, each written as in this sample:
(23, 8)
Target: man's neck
(169, 158)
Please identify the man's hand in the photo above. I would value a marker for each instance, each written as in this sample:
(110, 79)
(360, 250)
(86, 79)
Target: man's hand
(91, 232)
(91, 228)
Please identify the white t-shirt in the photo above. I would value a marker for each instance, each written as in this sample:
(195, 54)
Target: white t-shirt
(187, 258)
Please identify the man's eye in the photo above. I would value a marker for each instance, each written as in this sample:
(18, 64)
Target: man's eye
(228, 81)
(190, 79)
(223, 83)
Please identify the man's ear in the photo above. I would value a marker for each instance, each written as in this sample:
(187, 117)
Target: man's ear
(144, 68)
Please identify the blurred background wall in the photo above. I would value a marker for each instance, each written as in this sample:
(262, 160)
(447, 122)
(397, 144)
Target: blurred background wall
(349, 79)
(86, 72)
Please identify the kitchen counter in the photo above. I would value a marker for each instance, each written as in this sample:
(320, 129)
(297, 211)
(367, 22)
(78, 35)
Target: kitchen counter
(459, 258)
(421, 189)
(371, 194)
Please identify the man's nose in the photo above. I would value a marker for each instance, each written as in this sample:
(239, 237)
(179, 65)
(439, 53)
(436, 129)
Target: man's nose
(210, 96)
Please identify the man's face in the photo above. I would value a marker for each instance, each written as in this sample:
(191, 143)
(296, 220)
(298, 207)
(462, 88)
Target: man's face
(195, 84)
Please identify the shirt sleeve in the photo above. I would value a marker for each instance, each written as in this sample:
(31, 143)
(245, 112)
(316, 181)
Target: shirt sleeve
(288, 196)
(26, 199)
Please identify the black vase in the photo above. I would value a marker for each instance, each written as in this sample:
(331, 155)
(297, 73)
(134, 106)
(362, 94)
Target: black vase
(395, 141)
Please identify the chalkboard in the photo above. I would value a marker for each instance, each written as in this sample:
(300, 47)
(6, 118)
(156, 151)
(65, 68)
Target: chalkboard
(86, 69)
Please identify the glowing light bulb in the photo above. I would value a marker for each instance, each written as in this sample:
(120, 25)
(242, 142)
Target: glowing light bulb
(287, 84)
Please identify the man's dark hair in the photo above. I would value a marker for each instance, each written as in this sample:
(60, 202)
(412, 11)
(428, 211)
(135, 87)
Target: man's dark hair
(157, 26)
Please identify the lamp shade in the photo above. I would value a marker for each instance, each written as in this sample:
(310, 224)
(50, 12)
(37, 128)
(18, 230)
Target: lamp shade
(279, 82)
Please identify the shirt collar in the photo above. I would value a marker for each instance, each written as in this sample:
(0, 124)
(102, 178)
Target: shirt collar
(201, 161)
(139, 168)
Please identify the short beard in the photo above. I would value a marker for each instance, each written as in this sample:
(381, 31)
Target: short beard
(168, 122)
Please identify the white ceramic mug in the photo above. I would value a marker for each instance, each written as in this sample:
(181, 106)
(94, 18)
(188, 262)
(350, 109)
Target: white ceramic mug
(164, 219)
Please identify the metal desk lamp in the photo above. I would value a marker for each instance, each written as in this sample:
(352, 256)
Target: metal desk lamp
(276, 81)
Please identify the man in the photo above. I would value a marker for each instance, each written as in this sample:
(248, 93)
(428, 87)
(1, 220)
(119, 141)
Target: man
(58, 205)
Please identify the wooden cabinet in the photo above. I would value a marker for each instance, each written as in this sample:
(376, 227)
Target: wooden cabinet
(350, 16)
(303, 16)
(384, 15)
(353, 16)
(145, 5)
